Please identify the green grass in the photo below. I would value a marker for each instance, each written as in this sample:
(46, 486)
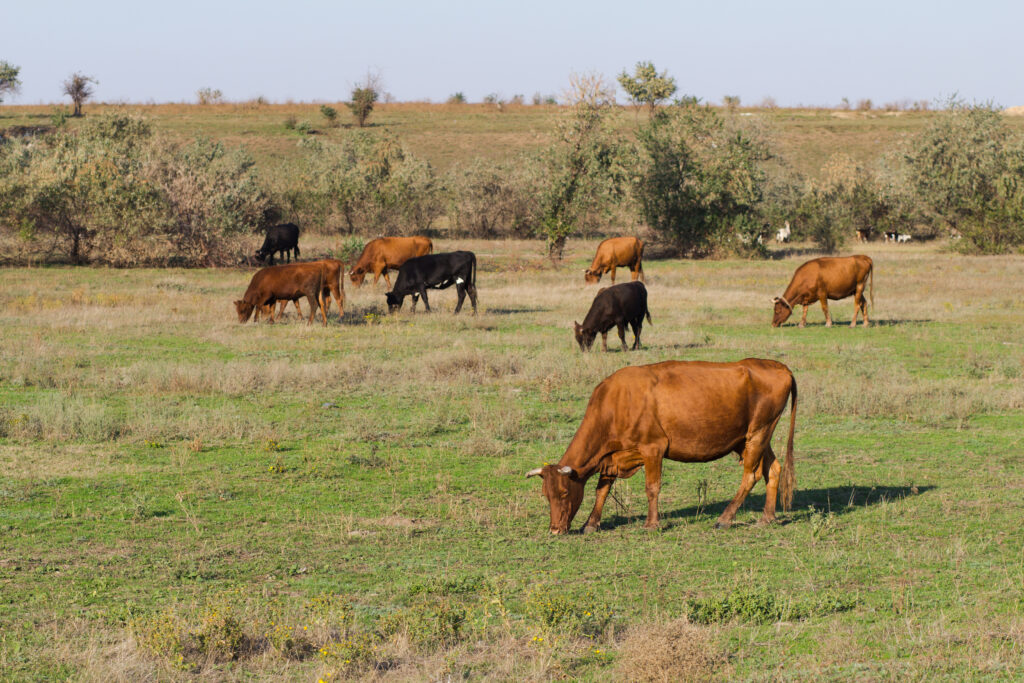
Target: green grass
(161, 464)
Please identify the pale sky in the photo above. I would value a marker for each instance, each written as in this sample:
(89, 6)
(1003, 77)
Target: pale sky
(797, 52)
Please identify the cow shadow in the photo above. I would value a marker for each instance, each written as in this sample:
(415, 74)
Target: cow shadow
(837, 500)
(791, 252)
(514, 311)
(875, 322)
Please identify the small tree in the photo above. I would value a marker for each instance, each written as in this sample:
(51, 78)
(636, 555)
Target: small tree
(582, 173)
(364, 96)
(78, 88)
(9, 81)
(647, 86)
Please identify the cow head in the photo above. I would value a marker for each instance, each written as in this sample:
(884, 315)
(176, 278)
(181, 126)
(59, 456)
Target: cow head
(357, 275)
(394, 302)
(591, 277)
(782, 311)
(244, 310)
(584, 337)
(564, 491)
(261, 256)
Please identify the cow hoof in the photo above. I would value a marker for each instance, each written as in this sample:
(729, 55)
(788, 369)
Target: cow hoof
(721, 525)
(765, 522)
(651, 527)
(589, 529)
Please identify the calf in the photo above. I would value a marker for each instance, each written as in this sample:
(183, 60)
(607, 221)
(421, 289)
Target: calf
(387, 252)
(902, 238)
(333, 286)
(289, 282)
(280, 238)
(435, 271)
(627, 252)
(614, 306)
(783, 234)
(827, 278)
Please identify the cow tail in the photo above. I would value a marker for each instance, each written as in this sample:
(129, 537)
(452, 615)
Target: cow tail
(788, 477)
(871, 286)
(472, 273)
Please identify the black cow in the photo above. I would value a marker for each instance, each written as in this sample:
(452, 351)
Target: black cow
(280, 238)
(435, 271)
(614, 306)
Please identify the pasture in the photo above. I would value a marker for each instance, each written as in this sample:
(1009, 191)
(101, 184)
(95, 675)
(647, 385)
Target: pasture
(184, 497)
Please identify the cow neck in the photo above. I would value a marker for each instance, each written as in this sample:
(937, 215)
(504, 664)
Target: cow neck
(586, 449)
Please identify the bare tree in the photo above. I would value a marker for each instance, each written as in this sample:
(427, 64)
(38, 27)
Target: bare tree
(78, 88)
(590, 88)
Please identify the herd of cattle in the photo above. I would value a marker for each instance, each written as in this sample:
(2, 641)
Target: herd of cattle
(688, 411)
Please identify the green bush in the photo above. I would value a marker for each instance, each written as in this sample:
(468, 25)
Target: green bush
(697, 175)
(967, 168)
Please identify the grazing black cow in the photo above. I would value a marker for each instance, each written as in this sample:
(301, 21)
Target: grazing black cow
(281, 238)
(615, 306)
(435, 271)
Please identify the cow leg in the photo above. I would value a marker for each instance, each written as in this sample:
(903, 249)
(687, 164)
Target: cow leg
(604, 340)
(386, 278)
(770, 470)
(604, 486)
(472, 295)
(614, 268)
(803, 317)
(312, 308)
(637, 325)
(824, 307)
(462, 297)
(652, 486)
(423, 293)
(339, 294)
(752, 455)
(621, 329)
(323, 307)
(864, 308)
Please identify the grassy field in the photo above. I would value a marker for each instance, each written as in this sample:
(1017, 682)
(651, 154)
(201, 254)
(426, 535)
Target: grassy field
(446, 135)
(185, 497)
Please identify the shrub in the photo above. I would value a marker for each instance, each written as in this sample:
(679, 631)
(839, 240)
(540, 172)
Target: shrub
(698, 174)
(112, 193)
(361, 106)
(493, 199)
(367, 183)
(457, 98)
(330, 115)
(209, 96)
(676, 651)
(967, 168)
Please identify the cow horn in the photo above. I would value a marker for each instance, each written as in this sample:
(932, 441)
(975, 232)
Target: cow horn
(565, 469)
(534, 473)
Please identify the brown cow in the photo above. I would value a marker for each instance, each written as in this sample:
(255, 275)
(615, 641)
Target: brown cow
(333, 286)
(284, 282)
(387, 252)
(823, 279)
(689, 411)
(627, 252)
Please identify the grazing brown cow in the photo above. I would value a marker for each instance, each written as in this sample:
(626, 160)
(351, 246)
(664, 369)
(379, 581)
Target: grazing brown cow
(823, 279)
(333, 286)
(284, 282)
(387, 252)
(689, 411)
(627, 252)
